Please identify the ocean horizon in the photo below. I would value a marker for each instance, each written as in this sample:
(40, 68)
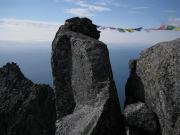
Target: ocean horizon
(34, 60)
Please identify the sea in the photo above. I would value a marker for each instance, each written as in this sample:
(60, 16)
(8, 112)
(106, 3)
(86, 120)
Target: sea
(34, 61)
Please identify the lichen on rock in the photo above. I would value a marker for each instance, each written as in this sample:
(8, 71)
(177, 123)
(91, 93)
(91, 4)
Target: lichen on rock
(86, 96)
(158, 69)
(25, 108)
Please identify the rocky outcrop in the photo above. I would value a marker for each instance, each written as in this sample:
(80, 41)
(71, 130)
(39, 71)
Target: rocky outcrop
(84, 26)
(86, 97)
(25, 108)
(134, 88)
(140, 119)
(158, 83)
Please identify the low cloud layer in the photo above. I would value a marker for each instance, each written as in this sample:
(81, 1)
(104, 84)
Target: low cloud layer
(31, 31)
(27, 30)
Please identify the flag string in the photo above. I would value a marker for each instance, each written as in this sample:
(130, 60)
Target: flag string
(160, 28)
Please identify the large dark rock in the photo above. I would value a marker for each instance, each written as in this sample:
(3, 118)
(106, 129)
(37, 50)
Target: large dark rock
(86, 97)
(140, 119)
(134, 89)
(158, 69)
(25, 108)
(82, 25)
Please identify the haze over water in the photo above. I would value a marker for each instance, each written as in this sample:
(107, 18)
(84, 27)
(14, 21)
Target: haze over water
(34, 61)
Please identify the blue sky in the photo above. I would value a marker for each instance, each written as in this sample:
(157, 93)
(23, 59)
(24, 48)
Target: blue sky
(119, 13)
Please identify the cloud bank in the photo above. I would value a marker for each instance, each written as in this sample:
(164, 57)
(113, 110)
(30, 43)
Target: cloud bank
(31, 31)
(27, 30)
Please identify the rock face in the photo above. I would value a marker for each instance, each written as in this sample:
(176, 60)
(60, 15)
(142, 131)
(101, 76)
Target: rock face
(158, 72)
(140, 119)
(86, 97)
(84, 26)
(26, 108)
(134, 87)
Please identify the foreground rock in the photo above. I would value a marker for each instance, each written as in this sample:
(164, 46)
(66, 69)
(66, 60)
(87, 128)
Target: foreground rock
(84, 26)
(158, 72)
(140, 119)
(87, 101)
(25, 108)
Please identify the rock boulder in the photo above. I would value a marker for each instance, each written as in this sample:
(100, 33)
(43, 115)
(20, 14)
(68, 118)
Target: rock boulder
(158, 69)
(87, 101)
(25, 108)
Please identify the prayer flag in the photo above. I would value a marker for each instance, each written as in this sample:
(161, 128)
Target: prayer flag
(162, 27)
(102, 28)
(112, 28)
(177, 28)
(147, 30)
(170, 27)
(121, 30)
(130, 30)
(138, 29)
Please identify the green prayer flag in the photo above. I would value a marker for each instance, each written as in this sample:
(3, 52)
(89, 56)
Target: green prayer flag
(170, 27)
(121, 30)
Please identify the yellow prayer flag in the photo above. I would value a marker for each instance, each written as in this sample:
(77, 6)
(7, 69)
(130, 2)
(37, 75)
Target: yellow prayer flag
(177, 28)
(130, 30)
